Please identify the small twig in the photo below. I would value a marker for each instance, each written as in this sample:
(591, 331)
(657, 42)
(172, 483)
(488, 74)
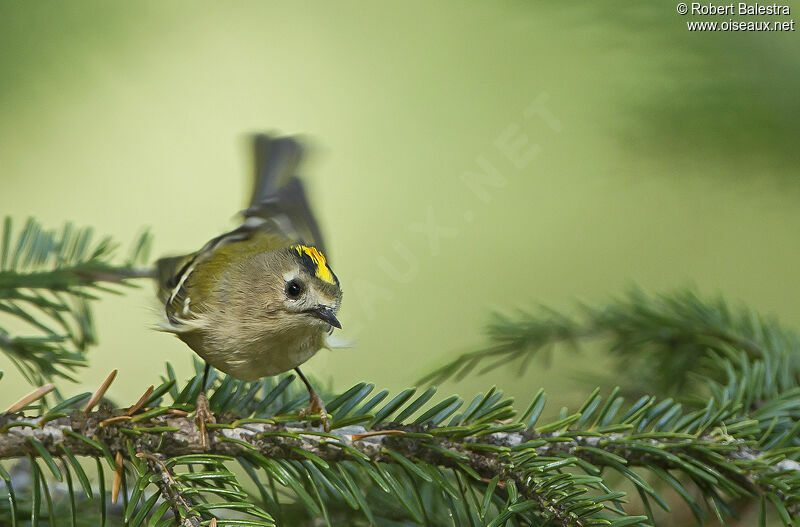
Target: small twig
(162, 468)
(169, 491)
(101, 391)
(143, 399)
(36, 394)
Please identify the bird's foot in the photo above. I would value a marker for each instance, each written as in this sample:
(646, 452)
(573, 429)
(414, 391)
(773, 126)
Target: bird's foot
(203, 416)
(316, 406)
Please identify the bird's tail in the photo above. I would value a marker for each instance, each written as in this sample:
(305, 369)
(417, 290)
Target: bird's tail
(278, 193)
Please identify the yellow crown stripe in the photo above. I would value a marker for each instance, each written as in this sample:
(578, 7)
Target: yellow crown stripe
(323, 272)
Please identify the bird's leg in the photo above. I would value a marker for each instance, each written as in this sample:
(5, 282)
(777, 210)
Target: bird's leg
(202, 412)
(315, 404)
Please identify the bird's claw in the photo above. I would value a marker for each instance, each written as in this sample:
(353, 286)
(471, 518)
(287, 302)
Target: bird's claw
(316, 406)
(202, 416)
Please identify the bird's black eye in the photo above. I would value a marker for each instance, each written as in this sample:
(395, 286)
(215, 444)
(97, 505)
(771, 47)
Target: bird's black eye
(294, 288)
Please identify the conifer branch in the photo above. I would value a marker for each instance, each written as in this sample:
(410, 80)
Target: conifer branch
(724, 447)
(663, 338)
(178, 436)
(48, 280)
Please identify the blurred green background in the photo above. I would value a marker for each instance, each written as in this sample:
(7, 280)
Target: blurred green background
(647, 155)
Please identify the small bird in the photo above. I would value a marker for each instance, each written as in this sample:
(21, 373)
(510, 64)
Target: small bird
(261, 299)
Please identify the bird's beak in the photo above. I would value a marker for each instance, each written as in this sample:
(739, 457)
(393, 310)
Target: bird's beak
(326, 314)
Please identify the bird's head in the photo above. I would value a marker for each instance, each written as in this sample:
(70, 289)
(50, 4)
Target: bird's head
(301, 289)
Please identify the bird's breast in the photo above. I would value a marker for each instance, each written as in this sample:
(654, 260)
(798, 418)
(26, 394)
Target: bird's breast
(263, 357)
